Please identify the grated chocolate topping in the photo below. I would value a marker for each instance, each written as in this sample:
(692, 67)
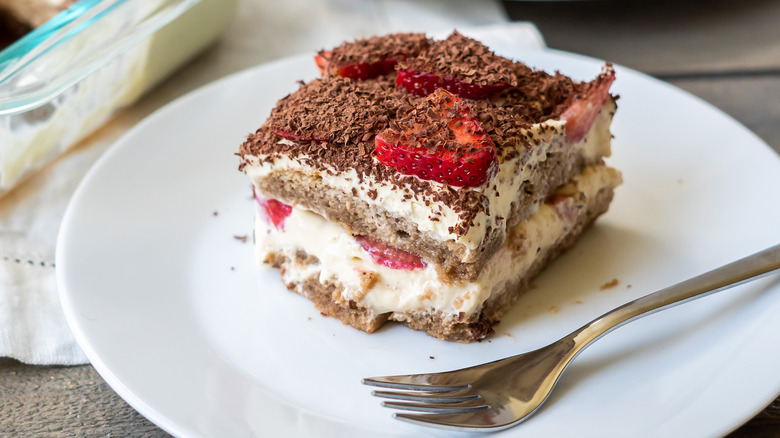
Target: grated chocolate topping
(427, 124)
(465, 59)
(332, 122)
(337, 111)
(398, 46)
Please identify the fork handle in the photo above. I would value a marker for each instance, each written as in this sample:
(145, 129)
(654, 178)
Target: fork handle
(741, 271)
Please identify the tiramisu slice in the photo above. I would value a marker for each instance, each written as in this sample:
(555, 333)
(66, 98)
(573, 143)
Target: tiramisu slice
(426, 181)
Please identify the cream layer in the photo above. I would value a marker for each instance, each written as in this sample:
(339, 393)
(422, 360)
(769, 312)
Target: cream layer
(342, 260)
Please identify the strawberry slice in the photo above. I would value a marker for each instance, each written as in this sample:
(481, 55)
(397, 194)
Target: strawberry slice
(371, 57)
(390, 256)
(438, 140)
(357, 71)
(274, 211)
(564, 206)
(322, 59)
(582, 112)
(423, 84)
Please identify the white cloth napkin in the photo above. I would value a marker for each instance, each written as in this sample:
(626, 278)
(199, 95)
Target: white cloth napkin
(32, 325)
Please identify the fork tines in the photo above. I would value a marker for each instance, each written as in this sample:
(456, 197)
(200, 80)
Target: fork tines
(428, 398)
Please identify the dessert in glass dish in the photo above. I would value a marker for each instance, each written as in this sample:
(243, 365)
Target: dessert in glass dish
(70, 65)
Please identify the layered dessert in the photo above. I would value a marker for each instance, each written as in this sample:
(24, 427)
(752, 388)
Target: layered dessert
(426, 182)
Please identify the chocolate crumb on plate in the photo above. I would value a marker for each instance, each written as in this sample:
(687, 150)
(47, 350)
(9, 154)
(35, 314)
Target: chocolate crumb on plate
(609, 285)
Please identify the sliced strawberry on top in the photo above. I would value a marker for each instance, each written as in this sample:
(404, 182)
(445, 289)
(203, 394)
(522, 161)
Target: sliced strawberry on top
(423, 84)
(582, 111)
(274, 211)
(370, 58)
(461, 65)
(322, 59)
(390, 256)
(357, 71)
(438, 141)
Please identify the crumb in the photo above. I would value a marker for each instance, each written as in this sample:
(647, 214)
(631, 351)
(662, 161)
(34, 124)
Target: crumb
(243, 238)
(628, 286)
(232, 268)
(431, 357)
(680, 181)
(427, 295)
(215, 213)
(368, 280)
(308, 319)
(609, 285)
(507, 334)
(553, 309)
(578, 302)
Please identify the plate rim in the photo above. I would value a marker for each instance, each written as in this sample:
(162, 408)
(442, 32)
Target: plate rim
(82, 338)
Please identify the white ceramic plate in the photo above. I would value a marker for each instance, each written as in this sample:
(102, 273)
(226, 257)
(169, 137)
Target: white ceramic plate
(175, 315)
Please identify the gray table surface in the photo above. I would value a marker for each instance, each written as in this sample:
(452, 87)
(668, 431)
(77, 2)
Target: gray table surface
(725, 51)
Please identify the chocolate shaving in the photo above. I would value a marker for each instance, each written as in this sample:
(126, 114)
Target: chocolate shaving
(398, 46)
(465, 59)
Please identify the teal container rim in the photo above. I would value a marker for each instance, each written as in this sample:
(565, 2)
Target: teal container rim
(28, 76)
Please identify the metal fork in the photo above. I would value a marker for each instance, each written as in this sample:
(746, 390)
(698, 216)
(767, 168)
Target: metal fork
(500, 394)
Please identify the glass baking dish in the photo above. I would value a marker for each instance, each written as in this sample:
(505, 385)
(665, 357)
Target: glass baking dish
(63, 80)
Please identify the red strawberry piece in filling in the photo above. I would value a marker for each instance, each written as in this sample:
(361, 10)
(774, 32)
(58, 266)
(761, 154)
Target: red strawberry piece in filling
(389, 256)
(564, 206)
(423, 84)
(274, 211)
(582, 112)
(438, 141)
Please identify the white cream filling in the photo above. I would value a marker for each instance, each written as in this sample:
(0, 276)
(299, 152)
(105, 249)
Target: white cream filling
(342, 259)
(438, 218)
